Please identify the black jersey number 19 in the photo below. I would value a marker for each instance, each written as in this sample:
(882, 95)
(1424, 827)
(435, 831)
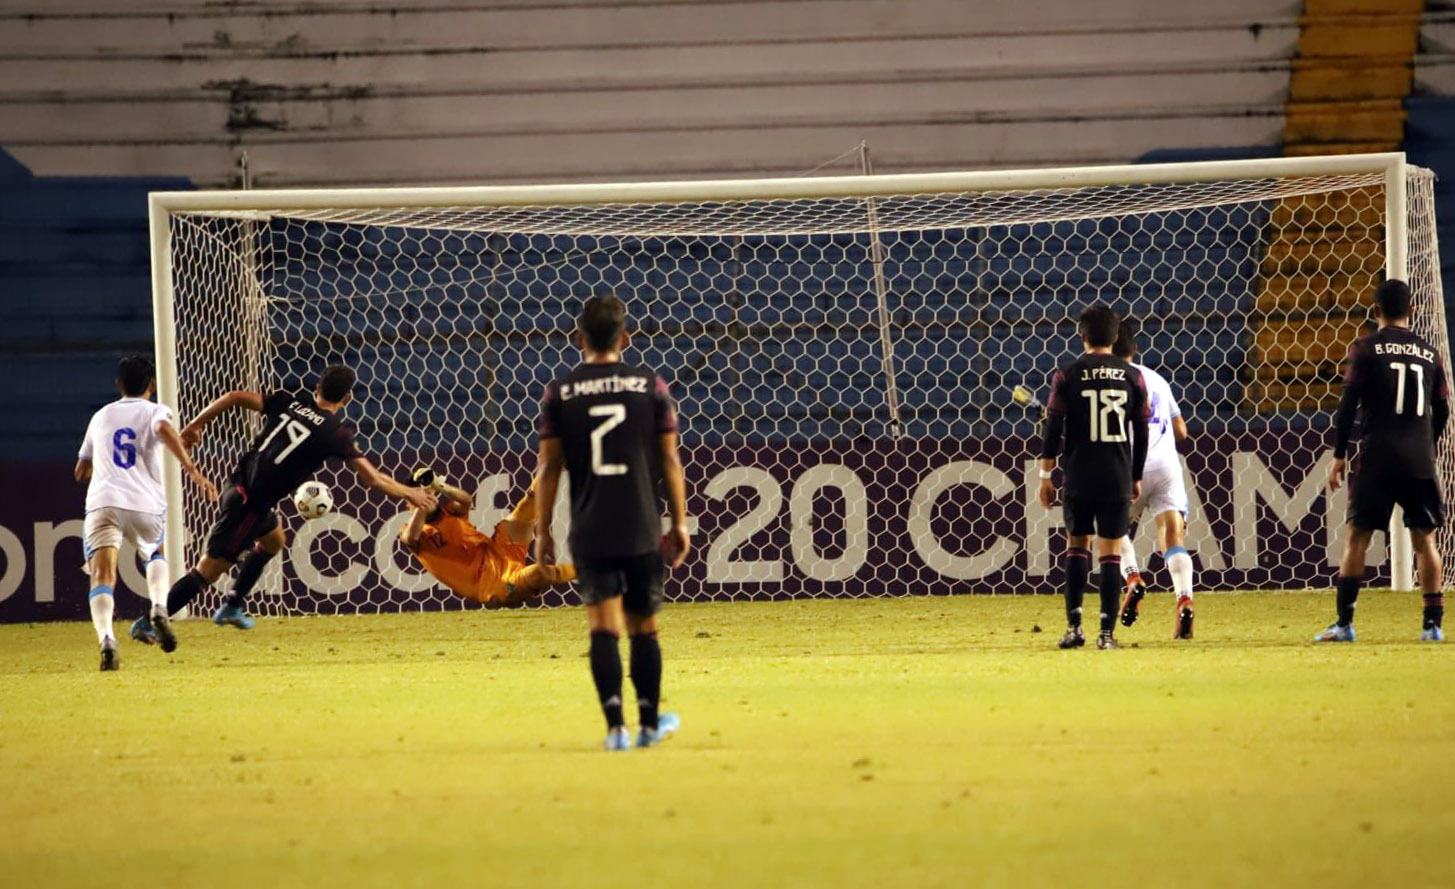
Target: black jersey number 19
(297, 435)
(613, 415)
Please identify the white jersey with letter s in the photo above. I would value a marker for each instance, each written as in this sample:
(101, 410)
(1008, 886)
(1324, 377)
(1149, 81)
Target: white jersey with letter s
(1161, 443)
(126, 456)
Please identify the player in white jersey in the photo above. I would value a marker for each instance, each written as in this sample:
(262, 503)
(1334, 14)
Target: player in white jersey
(1164, 496)
(121, 458)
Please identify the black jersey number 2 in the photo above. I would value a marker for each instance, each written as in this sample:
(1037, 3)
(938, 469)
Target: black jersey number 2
(297, 435)
(613, 415)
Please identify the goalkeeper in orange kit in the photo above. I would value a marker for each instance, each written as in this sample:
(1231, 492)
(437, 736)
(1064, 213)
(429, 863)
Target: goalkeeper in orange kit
(488, 569)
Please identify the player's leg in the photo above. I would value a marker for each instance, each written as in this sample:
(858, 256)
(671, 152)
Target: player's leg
(102, 538)
(1423, 514)
(1172, 536)
(233, 610)
(1346, 587)
(1079, 522)
(524, 583)
(1371, 503)
(641, 602)
(1112, 520)
(1136, 588)
(520, 525)
(148, 532)
(601, 590)
(1431, 570)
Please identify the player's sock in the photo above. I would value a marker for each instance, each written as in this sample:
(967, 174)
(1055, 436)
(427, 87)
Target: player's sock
(184, 591)
(103, 606)
(158, 582)
(1434, 609)
(1078, 569)
(1129, 560)
(248, 571)
(1346, 596)
(647, 676)
(1179, 565)
(606, 671)
(1111, 591)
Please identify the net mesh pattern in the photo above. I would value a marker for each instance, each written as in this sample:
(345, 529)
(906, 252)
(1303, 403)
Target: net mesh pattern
(843, 367)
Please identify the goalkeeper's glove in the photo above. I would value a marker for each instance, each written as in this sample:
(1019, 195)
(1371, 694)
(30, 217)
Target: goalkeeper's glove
(425, 477)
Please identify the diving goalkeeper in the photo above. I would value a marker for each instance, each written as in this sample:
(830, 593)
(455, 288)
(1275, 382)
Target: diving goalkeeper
(491, 570)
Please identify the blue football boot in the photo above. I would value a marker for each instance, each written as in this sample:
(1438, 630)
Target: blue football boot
(141, 630)
(667, 726)
(617, 739)
(230, 615)
(1336, 633)
(1432, 633)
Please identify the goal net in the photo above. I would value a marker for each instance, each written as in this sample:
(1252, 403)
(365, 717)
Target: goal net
(842, 350)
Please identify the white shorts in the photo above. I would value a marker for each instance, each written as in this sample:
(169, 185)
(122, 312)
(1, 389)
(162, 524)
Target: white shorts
(1163, 490)
(110, 525)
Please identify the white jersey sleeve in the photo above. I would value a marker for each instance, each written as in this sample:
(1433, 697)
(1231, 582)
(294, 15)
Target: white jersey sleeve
(86, 447)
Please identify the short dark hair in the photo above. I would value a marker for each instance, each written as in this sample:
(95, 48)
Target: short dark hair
(1126, 344)
(1393, 298)
(135, 374)
(601, 322)
(336, 383)
(1099, 326)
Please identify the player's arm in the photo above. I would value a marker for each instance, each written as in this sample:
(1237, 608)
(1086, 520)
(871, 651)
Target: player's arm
(83, 457)
(371, 477)
(1053, 428)
(1179, 430)
(1179, 425)
(548, 481)
(455, 501)
(192, 432)
(1141, 433)
(1344, 417)
(410, 533)
(173, 441)
(678, 538)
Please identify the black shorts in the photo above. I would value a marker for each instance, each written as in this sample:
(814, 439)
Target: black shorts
(636, 579)
(237, 526)
(1109, 518)
(1373, 496)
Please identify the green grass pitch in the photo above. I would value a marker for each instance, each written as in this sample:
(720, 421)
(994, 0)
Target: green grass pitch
(896, 742)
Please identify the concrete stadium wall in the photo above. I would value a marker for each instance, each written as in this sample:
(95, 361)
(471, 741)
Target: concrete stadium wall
(520, 90)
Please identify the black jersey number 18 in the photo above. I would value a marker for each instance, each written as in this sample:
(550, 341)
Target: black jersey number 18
(1107, 404)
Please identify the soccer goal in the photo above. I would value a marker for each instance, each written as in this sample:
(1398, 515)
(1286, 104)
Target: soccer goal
(843, 350)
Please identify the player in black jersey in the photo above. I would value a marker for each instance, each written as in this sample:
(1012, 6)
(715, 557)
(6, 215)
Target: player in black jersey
(1396, 381)
(613, 426)
(300, 431)
(1098, 407)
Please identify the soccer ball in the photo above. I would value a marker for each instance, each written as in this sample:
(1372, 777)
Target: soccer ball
(313, 500)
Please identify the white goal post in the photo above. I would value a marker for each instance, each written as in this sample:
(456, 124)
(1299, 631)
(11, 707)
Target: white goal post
(842, 348)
